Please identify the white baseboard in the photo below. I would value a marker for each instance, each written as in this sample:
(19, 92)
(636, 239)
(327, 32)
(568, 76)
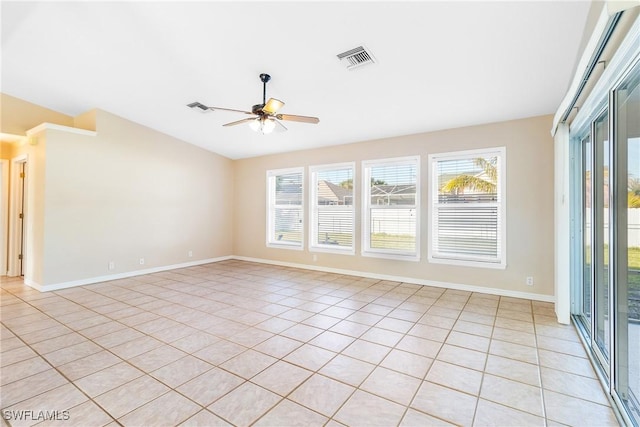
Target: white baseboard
(457, 286)
(92, 280)
(449, 285)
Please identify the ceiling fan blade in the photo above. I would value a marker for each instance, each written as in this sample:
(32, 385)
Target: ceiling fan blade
(280, 127)
(237, 122)
(198, 106)
(294, 118)
(229, 109)
(272, 106)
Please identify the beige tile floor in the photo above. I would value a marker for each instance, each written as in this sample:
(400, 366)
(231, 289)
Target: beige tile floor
(238, 343)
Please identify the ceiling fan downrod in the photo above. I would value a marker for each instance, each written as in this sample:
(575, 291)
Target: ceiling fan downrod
(264, 78)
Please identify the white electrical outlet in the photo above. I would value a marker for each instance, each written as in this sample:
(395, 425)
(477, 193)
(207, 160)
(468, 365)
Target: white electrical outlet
(190, 254)
(315, 257)
(112, 265)
(529, 281)
(141, 261)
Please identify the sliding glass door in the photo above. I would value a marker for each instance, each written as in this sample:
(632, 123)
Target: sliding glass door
(607, 296)
(600, 212)
(594, 299)
(585, 309)
(626, 244)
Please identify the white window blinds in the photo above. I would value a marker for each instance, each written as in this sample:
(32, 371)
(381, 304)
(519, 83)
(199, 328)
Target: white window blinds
(391, 207)
(332, 216)
(467, 206)
(285, 208)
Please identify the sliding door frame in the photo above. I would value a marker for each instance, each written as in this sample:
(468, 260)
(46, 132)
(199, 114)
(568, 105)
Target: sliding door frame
(602, 98)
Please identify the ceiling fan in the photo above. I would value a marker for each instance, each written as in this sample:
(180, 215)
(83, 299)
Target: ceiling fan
(265, 118)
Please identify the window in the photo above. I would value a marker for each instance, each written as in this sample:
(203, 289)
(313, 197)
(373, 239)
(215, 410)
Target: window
(332, 215)
(391, 201)
(467, 208)
(284, 208)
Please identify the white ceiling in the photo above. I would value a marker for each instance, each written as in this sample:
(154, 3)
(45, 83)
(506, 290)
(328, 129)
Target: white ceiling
(439, 64)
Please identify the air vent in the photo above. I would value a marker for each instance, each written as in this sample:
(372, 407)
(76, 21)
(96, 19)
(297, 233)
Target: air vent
(356, 57)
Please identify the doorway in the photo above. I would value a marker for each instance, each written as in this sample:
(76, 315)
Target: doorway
(18, 240)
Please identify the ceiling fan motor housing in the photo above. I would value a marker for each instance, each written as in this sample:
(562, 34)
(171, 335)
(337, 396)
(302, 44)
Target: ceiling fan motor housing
(257, 109)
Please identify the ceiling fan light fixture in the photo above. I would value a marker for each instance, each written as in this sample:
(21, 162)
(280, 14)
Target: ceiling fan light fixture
(268, 125)
(264, 125)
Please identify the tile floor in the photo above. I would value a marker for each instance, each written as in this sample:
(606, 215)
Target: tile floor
(250, 344)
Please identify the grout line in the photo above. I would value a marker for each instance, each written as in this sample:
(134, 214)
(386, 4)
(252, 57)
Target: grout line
(539, 370)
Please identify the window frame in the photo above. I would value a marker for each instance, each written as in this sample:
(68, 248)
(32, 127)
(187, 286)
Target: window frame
(314, 208)
(470, 261)
(367, 250)
(271, 208)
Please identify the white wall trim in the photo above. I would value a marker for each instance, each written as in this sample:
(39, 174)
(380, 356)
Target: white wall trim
(109, 277)
(4, 215)
(52, 126)
(13, 247)
(562, 224)
(449, 285)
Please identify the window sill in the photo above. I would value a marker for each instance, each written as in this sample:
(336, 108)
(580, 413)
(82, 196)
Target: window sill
(468, 263)
(387, 255)
(285, 246)
(330, 250)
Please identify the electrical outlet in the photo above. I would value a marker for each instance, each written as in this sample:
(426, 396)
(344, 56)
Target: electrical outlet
(141, 261)
(315, 257)
(112, 265)
(529, 281)
(190, 254)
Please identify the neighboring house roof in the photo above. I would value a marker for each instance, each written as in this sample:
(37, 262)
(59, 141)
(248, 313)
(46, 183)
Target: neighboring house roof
(330, 193)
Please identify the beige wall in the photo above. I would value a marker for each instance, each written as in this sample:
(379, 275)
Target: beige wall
(18, 116)
(529, 159)
(6, 150)
(130, 193)
(126, 193)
